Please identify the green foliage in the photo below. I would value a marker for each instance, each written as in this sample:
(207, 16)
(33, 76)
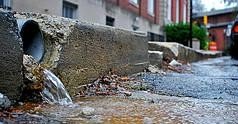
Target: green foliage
(201, 34)
(177, 33)
(180, 33)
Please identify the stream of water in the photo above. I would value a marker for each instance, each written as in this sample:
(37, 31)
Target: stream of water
(54, 91)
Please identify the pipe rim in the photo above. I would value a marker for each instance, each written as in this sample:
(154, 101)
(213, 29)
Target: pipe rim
(33, 41)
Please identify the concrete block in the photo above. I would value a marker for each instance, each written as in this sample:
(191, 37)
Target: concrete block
(181, 52)
(196, 44)
(168, 49)
(11, 54)
(156, 58)
(79, 52)
(191, 55)
(95, 50)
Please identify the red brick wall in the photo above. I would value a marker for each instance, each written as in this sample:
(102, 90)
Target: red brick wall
(129, 6)
(188, 11)
(157, 11)
(174, 10)
(181, 7)
(183, 4)
(229, 17)
(221, 18)
(141, 9)
(144, 10)
(219, 37)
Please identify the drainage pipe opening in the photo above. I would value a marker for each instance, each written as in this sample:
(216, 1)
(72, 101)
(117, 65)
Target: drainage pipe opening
(33, 42)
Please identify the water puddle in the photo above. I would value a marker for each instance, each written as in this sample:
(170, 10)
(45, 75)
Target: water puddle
(119, 110)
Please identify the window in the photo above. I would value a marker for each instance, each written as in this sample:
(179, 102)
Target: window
(177, 11)
(69, 10)
(151, 7)
(134, 2)
(5, 4)
(185, 13)
(155, 37)
(169, 10)
(110, 21)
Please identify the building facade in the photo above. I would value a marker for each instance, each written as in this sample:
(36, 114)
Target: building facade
(218, 24)
(136, 15)
(177, 11)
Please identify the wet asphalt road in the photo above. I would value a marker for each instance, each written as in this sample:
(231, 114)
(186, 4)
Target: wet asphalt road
(210, 79)
(208, 94)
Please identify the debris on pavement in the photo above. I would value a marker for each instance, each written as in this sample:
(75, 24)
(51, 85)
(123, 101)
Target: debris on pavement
(155, 69)
(175, 65)
(87, 111)
(169, 64)
(106, 85)
(4, 102)
(24, 113)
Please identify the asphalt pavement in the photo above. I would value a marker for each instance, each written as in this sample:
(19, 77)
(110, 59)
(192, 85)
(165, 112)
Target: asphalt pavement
(209, 79)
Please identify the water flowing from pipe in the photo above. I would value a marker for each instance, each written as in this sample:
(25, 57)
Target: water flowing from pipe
(54, 91)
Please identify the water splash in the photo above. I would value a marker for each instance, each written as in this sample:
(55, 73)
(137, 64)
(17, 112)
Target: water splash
(54, 91)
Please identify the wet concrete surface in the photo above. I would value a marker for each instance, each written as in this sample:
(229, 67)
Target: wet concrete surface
(210, 79)
(207, 94)
(136, 110)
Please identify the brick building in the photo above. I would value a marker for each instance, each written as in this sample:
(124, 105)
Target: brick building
(218, 24)
(177, 11)
(138, 15)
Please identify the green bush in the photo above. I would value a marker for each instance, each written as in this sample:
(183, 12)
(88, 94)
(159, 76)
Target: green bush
(180, 33)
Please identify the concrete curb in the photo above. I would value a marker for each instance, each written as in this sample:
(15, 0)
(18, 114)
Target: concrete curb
(181, 52)
(156, 58)
(11, 53)
(79, 52)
